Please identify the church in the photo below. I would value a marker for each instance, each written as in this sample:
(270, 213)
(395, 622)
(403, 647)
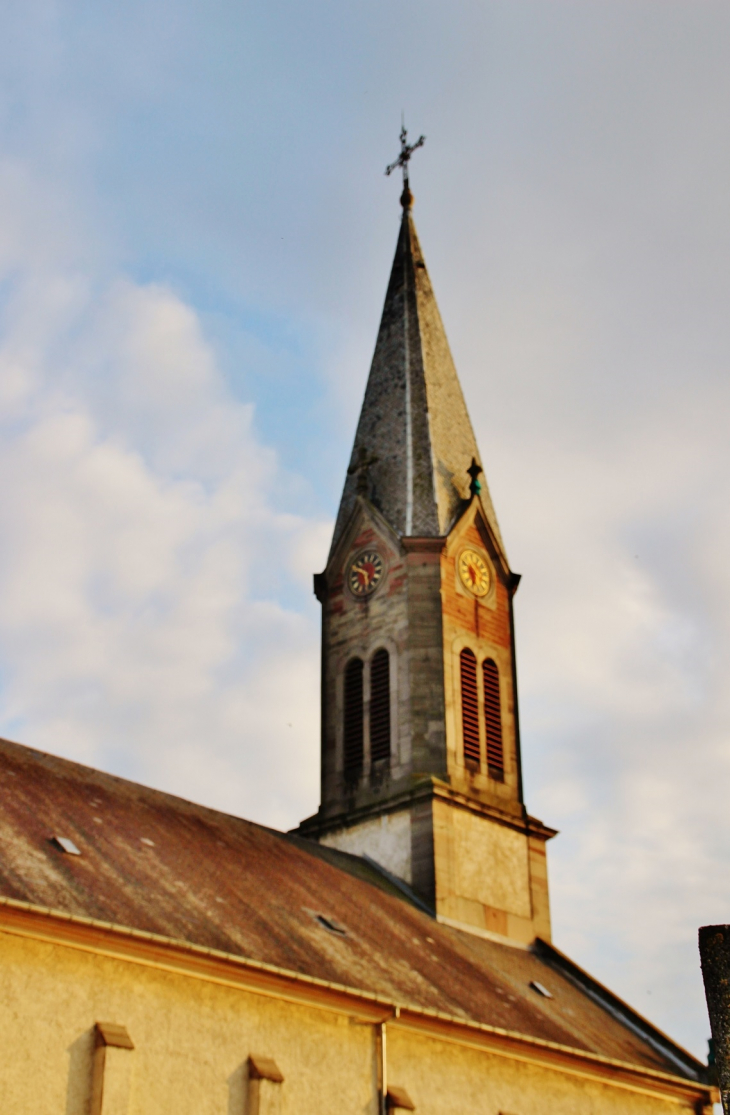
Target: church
(392, 952)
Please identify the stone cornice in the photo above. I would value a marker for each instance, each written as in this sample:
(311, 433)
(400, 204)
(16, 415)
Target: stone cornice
(426, 789)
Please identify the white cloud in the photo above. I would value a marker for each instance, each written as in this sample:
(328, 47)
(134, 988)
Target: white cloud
(623, 655)
(137, 631)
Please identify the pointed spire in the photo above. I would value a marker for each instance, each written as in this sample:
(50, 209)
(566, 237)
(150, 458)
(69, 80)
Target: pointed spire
(414, 443)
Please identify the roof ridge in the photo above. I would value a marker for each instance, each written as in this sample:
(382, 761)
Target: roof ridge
(49, 759)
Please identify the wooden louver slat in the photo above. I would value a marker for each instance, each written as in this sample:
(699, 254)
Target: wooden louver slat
(469, 707)
(380, 706)
(353, 720)
(493, 719)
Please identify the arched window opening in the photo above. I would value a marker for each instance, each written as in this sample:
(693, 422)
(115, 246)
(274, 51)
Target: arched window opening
(380, 706)
(469, 707)
(353, 722)
(493, 719)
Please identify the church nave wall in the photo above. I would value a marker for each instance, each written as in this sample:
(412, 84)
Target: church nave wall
(193, 1037)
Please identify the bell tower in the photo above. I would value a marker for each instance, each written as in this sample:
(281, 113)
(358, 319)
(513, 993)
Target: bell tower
(421, 767)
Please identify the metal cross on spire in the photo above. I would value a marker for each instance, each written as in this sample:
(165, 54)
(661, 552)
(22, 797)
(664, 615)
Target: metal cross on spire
(406, 150)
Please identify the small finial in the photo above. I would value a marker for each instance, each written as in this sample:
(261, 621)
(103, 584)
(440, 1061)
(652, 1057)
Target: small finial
(474, 471)
(406, 150)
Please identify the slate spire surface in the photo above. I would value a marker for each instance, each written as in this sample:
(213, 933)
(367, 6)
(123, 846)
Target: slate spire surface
(414, 442)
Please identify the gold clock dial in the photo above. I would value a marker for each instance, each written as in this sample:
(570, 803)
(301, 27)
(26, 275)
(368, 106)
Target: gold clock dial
(365, 573)
(474, 572)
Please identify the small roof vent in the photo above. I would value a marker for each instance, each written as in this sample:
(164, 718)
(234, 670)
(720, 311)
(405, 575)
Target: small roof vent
(65, 845)
(331, 925)
(541, 989)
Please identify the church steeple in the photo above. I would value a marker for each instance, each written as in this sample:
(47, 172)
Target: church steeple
(414, 428)
(421, 767)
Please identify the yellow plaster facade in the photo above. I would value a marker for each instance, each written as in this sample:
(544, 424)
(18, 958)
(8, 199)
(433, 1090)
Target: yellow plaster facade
(195, 1017)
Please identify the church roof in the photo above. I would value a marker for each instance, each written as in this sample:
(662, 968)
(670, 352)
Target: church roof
(414, 441)
(155, 863)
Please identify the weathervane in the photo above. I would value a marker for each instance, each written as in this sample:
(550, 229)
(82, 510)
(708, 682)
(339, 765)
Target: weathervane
(406, 150)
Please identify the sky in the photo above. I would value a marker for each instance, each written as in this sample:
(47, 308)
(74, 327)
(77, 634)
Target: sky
(195, 239)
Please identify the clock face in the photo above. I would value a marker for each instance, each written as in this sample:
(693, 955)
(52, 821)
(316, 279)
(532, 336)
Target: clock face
(474, 573)
(365, 573)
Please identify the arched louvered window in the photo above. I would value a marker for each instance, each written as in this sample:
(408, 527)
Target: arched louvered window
(469, 707)
(380, 706)
(493, 719)
(353, 720)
